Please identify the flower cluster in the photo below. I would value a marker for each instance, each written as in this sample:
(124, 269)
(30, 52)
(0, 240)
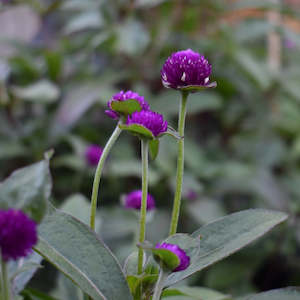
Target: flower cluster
(17, 234)
(93, 154)
(184, 260)
(151, 120)
(185, 68)
(133, 200)
(123, 96)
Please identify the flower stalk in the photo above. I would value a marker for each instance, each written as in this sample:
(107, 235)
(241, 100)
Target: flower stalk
(159, 284)
(180, 164)
(5, 288)
(98, 173)
(143, 211)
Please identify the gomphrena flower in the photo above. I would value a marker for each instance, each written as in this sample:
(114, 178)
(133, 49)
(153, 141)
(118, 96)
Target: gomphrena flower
(186, 68)
(151, 120)
(93, 154)
(17, 234)
(123, 96)
(184, 260)
(134, 200)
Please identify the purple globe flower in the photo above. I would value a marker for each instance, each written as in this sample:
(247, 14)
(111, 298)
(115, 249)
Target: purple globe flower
(184, 260)
(151, 120)
(93, 154)
(134, 200)
(123, 96)
(17, 234)
(185, 68)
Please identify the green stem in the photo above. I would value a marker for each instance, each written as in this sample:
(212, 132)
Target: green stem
(159, 285)
(180, 165)
(98, 173)
(143, 211)
(5, 282)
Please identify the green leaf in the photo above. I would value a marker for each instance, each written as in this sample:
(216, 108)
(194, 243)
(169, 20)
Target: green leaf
(126, 107)
(166, 258)
(36, 295)
(171, 132)
(22, 271)
(28, 189)
(225, 236)
(139, 130)
(197, 293)
(77, 251)
(198, 88)
(42, 91)
(153, 148)
(290, 293)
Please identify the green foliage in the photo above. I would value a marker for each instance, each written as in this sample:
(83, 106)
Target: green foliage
(76, 251)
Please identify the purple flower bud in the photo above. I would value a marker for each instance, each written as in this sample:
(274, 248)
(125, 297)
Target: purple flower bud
(134, 200)
(123, 96)
(17, 234)
(151, 120)
(191, 195)
(184, 260)
(93, 154)
(185, 68)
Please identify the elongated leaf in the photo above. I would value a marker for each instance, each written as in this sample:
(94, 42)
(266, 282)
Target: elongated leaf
(138, 130)
(227, 235)
(153, 148)
(77, 251)
(290, 293)
(28, 189)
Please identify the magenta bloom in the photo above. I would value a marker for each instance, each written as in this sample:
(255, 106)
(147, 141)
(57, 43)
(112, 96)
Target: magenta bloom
(134, 200)
(151, 120)
(93, 154)
(185, 68)
(123, 96)
(183, 258)
(17, 234)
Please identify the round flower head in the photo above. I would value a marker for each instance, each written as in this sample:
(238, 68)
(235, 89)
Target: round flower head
(17, 234)
(134, 200)
(151, 120)
(184, 260)
(93, 154)
(123, 96)
(185, 68)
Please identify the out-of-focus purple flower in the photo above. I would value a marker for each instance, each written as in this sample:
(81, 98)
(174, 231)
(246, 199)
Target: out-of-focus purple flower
(184, 260)
(289, 44)
(191, 195)
(151, 120)
(134, 200)
(185, 68)
(93, 154)
(123, 96)
(17, 234)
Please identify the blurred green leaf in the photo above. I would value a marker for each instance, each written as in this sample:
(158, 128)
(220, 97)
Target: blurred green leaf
(28, 189)
(153, 148)
(42, 91)
(290, 293)
(126, 107)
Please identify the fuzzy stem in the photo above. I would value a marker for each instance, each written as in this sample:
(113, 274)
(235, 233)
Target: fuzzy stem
(180, 165)
(98, 173)
(159, 285)
(143, 210)
(5, 281)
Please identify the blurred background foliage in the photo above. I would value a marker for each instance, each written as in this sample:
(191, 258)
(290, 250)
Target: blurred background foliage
(61, 61)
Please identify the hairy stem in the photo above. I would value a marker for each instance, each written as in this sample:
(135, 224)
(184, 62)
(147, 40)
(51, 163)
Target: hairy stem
(143, 211)
(98, 173)
(5, 281)
(180, 165)
(159, 285)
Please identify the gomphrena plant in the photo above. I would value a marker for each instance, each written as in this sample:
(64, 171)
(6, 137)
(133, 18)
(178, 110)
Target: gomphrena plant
(75, 247)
